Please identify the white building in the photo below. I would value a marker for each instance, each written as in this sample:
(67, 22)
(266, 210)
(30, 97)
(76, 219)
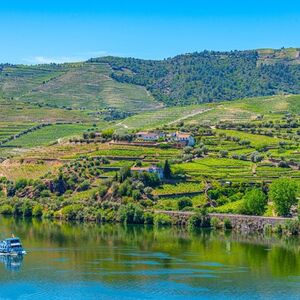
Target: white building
(149, 136)
(150, 169)
(186, 138)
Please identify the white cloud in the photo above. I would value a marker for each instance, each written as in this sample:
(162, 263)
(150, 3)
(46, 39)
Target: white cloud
(48, 60)
(64, 59)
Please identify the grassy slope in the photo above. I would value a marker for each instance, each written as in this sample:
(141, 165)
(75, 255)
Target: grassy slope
(18, 80)
(161, 117)
(78, 86)
(15, 111)
(246, 109)
(47, 135)
(239, 110)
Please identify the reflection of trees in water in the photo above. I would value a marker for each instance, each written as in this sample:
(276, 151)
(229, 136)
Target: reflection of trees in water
(12, 263)
(261, 254)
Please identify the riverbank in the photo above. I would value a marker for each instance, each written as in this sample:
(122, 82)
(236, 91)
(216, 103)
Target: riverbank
(242, 223)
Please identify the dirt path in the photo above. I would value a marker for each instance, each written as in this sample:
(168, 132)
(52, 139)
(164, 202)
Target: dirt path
(123, 125)
(190, 115)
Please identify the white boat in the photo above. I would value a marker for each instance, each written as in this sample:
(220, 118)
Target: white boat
(11, 246)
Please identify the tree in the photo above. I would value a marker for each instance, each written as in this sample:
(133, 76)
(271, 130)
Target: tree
(184, 202)
(124, 173)
(283, 193)
(223, 153)
(107, 133)
(167, 170)
(131, 214)
(255, 202)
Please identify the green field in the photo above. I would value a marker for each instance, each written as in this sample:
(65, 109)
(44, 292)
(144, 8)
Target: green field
(160, 117)
(135, 151)
(233, 170)
(48, 135)
(9, 129)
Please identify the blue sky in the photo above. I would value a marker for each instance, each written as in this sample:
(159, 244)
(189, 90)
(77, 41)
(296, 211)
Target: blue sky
(38, 32)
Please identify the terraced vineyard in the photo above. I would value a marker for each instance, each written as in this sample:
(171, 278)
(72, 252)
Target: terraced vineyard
(226, 169)
(135, 152)
(239, 145)
(47, 135)
(179, 189)
(77, 86)
(10, 129)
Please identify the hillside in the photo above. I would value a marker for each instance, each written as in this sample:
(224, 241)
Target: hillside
(72, 86)
(135, 85)
(212, 76)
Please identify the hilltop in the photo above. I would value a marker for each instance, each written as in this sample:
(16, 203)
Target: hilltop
(134, 85)
(211, 76)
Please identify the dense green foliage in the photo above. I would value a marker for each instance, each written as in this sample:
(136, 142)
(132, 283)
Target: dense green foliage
(207, 76)
(255, 202)
(283, 193)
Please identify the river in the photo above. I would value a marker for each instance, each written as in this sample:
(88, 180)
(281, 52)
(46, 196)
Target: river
(89, 261)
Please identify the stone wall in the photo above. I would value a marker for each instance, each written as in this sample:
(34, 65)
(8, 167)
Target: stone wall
(238, 222)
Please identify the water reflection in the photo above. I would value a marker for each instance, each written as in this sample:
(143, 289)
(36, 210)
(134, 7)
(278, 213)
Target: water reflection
(12, 263)
(151, 263)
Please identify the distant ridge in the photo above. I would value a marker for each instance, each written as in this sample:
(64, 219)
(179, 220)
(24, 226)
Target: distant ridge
(135, 85)
(212, 75)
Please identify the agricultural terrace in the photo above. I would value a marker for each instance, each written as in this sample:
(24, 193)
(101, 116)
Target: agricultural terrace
(135, 152)
(228, 169)
(48, 135)
(10, 129)
(256, 141)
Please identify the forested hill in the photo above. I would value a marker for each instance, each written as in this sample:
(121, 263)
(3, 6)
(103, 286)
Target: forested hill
(211, 76)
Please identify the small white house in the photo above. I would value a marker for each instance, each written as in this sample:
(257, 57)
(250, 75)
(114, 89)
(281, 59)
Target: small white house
(149, 136)
(186, 138)
(150, 169)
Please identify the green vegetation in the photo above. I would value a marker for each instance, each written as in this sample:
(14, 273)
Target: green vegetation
(255, 202)
(72, 86)
(209, 75)
(68, 138)
(47, 135)
(283, 193)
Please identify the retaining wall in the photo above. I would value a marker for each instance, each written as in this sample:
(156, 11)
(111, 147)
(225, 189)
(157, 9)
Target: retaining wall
(238, 222)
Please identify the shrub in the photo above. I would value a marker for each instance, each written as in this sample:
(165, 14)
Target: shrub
(255, 202)
(84, 186)
(283, 164)
(37, 210)
(17, 209)
(216, 223)
(223, 153)
(20, 184)
(198, 220)
(268, 229)
(136, 195)
(131, 214)
(6, 209)
(26, 209)
(227, 223)
(70, 212)
(45, 194)
(148, 218)
(278, 229)
(102, 190)
(48, 214)
(291, 227)
(184, 202)
(283, 193)
(162, 220)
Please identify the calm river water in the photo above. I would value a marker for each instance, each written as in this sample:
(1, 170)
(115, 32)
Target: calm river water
(87, 261)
